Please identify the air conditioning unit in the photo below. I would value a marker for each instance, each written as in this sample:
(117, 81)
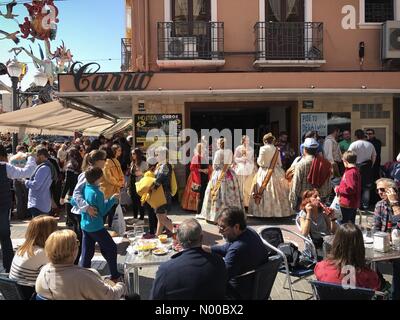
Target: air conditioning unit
(391, 40)
(182, 47)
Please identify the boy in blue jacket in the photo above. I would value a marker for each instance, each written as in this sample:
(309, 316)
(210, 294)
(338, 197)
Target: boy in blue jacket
(93, 228)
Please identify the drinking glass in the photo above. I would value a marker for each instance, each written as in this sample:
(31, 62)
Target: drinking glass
(138, 232)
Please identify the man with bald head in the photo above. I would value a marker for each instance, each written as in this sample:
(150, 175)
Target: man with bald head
(191, 274)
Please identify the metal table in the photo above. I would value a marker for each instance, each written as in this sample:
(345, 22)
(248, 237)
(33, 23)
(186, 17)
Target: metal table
(135, 261)
(372, 256)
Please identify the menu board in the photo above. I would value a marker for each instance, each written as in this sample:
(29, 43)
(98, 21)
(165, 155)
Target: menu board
(164, 122)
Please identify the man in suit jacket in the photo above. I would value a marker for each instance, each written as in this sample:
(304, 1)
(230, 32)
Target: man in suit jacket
(242, 252)
(191, 274)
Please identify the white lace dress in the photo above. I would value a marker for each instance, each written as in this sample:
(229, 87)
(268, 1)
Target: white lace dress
(245, 169)
(229, 194)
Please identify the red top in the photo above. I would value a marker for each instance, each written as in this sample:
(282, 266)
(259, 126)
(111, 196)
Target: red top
(326, 271)
(195, 165)
(350, 188)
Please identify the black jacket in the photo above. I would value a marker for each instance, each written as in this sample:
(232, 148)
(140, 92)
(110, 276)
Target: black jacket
(192, 274)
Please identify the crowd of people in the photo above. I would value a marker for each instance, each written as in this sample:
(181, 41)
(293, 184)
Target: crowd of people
(88, 177)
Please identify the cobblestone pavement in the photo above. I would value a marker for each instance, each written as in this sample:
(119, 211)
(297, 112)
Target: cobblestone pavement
(211, 236)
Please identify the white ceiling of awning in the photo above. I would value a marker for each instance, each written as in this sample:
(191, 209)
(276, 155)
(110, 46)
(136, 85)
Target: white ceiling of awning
(54, 118)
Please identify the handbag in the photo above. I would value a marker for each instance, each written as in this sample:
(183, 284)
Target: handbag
(195, 187)
(118, 222)
(289, 174)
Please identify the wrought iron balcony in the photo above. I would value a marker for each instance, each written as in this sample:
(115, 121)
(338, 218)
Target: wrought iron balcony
(293, 42)
(126, 54)
(190, 41)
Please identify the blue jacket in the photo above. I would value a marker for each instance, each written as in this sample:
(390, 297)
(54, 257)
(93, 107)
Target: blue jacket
(95, 198)
(39, 195)
(192, 274)
(246, 253)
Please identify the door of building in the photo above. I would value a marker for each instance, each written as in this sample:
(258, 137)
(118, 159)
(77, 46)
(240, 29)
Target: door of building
(285, 29)
(191, 20)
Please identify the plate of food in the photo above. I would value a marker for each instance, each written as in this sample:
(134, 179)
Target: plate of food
(160, 251)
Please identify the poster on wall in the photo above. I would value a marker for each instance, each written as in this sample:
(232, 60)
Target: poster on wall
(314, 122)
(321, 122)
(144, 123)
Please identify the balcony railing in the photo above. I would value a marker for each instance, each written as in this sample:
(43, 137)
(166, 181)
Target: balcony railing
(289, 40)
(190, 41)
(126, 54)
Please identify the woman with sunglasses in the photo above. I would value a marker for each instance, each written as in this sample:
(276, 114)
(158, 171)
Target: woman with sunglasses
(386, 210)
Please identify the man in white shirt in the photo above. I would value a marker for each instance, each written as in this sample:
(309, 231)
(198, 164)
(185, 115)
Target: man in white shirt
(332, 151)
(366, 156)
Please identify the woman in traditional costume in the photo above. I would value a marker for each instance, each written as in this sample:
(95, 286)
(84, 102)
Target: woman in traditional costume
(270, 192)
(223, 189)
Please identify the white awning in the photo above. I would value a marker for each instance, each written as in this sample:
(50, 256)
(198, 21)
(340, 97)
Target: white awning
(108, 131)
(54, 118)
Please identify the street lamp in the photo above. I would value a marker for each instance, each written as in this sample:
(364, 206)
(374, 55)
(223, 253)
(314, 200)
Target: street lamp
(40, 79)
(14, 69)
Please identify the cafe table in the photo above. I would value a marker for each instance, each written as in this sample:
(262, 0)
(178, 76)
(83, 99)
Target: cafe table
(372, 256)
(135, 260)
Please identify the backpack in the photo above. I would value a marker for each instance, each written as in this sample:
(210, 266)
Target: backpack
(295, 258)
(292, 254)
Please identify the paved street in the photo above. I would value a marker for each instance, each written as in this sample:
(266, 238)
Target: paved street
(211, 236)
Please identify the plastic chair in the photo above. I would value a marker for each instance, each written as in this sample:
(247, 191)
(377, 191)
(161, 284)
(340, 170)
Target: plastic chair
(262, 278)
(272, 237)
(334, 291)
(10, 289)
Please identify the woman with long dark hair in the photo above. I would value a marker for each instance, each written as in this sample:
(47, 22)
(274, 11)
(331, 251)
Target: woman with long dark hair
(113, 179)
(347, 258)
(72, 171)
(138, 167)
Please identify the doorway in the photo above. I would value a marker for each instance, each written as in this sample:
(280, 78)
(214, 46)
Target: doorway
(262, 117)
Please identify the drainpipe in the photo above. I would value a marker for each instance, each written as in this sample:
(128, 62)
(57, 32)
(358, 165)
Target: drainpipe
(146, 34)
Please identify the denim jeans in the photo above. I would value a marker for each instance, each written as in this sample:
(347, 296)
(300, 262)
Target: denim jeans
(34, 212)
(5, 238)
(108, 250)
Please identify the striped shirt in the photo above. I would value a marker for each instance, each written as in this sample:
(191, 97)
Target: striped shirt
(26, 269)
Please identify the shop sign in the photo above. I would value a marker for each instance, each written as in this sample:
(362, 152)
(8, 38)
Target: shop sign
(314, 122)
(162, 122)
(86, 78)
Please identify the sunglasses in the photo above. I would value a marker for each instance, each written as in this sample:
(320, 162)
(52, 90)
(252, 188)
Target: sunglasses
(222, 228)
(383, 190)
